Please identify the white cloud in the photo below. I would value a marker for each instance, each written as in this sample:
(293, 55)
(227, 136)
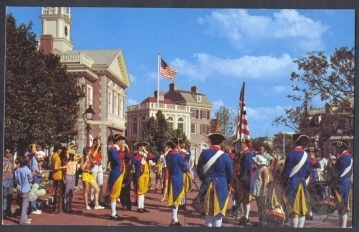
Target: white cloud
(241, 28)
(131, 102)
(264, 113)
(246, 67)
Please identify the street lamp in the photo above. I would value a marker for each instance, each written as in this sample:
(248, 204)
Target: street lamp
(88, 115)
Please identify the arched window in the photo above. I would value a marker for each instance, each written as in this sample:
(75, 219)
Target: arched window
(170, 122)
(180, 124)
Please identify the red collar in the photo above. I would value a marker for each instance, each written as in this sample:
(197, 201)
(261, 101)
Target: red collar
(245, 150)
(174, 151)
(345, 153)
(215, 147)
(299, 148)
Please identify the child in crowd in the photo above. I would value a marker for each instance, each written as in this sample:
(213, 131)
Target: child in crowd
(23, 178)
(69, 181)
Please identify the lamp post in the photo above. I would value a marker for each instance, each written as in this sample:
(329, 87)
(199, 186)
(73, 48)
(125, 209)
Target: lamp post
(88, 115)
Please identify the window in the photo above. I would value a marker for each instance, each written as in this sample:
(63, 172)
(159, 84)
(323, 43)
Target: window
(194, 113)
(205, 114)
(89, 95)
(110, 102)
(193, 128)
(199, 98)
(204, 129)
(134, 126)
(143, 124)
(170, 122)
(115, 111)
(180, 124)
(121, 108)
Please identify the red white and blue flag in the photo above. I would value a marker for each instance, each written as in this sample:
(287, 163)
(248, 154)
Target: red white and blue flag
(166, 70)
(242, 122)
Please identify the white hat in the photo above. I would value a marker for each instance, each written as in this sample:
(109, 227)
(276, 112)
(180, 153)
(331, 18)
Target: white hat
(260, 160)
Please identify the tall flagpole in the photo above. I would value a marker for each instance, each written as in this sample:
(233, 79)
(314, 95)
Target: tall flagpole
(158, 81)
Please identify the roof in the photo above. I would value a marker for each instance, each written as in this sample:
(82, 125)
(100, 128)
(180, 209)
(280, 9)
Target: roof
(187, 98)
(154, 100)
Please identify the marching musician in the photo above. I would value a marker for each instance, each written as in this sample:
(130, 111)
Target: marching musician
(295, 172)
(186, 155)
(245, 178)
(116, 156)
(215, 171)
(342, 181)
(176, 166)
(139, 160)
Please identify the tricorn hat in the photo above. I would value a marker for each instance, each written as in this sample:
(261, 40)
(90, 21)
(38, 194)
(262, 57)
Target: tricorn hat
(300, 137)
(340, 144)
(216, 136)
(139, 144)
(119, 137)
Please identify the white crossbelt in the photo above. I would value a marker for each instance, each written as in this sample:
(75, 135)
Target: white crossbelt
(347, 169)
(211, 161)
(299, 165)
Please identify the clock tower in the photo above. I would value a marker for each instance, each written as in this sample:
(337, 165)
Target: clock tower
(56, 29)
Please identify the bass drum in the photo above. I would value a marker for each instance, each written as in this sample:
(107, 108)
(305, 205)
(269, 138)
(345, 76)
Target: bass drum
(320, 198)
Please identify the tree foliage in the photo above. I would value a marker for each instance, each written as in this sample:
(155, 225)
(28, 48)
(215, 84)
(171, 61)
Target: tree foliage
(330, 80)
(41, 99)
(227, 120)
(157, 132)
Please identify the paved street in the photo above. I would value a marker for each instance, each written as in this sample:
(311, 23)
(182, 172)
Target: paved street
(159, 215)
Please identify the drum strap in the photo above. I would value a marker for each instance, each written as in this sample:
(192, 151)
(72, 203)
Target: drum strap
(211, 161)
(347, 169)
(299, 165)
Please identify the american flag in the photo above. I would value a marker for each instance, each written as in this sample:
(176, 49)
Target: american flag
(242, 122)
(167, 71)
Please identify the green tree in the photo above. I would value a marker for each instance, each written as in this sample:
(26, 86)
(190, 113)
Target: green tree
(157, 132)
(227, 120)
(41, 99)
(332, 80)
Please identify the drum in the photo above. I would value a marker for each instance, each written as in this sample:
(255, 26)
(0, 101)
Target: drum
(320, 198)
(274, 203)
(276, 216)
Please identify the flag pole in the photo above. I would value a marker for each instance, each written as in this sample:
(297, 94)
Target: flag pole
(158, 80)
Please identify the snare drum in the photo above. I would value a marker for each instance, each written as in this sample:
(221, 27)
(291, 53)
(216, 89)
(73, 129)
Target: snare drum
(276, 216)
(321, 202)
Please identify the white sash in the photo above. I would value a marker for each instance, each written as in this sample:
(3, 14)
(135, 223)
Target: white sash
(299, 165)
(347, 169)
(211, 161)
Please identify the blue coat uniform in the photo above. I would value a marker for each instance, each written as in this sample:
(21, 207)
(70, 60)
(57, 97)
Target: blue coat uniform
(295, 186)
(117, 168)
(343, 183)
(245, 169)
(176, 166)
(217, 176)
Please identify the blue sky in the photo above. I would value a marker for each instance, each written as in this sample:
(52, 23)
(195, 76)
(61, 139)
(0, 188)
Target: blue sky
(214, 49)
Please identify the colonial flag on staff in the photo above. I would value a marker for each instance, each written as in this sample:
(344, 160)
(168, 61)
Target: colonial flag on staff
(166, 70)
(242, 122)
